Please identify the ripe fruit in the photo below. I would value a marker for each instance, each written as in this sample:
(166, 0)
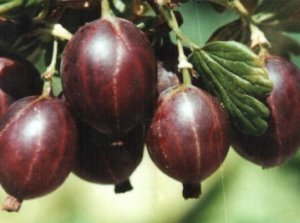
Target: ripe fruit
(281, 139)
(109, 74)
(102, 160)
(18, 77)
(38, 148)
(188, 137)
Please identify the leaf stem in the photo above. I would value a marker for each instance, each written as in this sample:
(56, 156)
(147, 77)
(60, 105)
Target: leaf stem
(50, 71)
(5, 7)
(174, 26)
(237, 6)
(257, 36)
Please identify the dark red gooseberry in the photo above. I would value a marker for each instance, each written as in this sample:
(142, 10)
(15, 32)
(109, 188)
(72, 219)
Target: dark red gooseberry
(188, 138)
(109, 74)
(103, 160)
(18, 77)
(38, 148)
(281, 139)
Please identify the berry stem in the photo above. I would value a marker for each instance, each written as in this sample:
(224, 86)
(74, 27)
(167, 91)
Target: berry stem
(48, 74)
(6, 7)
(105, 9)
(183, 64)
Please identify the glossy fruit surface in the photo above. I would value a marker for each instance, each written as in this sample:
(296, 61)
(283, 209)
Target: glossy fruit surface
(18, 77)
(281, 139)
(101, 159)
(38, 147)
(5, 102)
(109, 74)
(188, 137)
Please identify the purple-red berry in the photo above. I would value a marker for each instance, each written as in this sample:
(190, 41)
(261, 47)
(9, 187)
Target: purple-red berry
(188, 137)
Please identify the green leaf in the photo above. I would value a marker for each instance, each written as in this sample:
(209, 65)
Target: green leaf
(281, 43)
(279, 15)
(237, 77)
(275, 19)
(235, 30)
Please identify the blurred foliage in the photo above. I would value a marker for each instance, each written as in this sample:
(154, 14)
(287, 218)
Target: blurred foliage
(239, 192)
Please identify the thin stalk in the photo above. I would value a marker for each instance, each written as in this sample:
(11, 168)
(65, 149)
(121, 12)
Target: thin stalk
(105, 9)
(6, 7)
(183, 63)
(257, 36)
(240, 9)
(57, 31)
(50, 71)
(186, 76)
(176, 29)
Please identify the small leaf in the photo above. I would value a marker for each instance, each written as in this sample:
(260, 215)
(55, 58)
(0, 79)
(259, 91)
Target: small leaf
(237, 77)
(280, 15)
(281, 43)
(235, 30)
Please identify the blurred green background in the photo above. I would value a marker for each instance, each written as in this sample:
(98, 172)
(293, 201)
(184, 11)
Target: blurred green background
(239, 192)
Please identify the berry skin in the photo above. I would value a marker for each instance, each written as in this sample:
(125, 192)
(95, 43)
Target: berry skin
(38, 141)
(109, 75)
(188, 138)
